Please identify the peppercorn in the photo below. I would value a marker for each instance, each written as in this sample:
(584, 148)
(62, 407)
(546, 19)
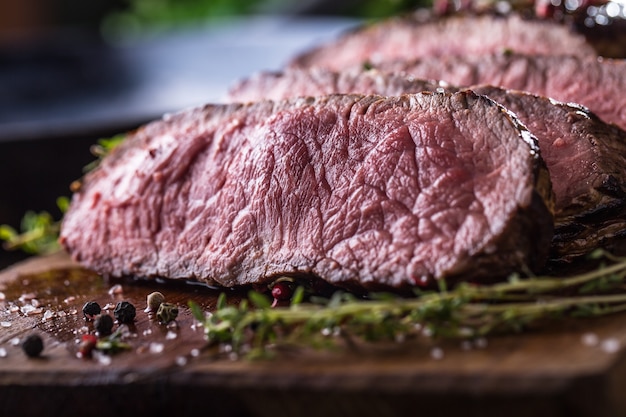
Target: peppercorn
(154, 300)
(91, 309)
(32, 345)
(103, 325)
(87, 345)
(124, 312)
(167, 312)
(282, 290)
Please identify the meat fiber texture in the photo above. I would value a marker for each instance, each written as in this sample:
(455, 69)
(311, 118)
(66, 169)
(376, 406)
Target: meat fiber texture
(469, 35)
(360, 191)
(585, 156)
(596, 83)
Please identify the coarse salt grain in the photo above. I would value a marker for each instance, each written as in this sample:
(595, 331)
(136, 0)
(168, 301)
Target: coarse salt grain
(436, 353)
(195, 352)
(156, 347)
(29, 310)
(27, 297)
(3, 352)
(181, 361)
(171, 335)
(590, 339)
(5, 324)
(116, 289)
(611, 345)
(103, 359)
(2, 296)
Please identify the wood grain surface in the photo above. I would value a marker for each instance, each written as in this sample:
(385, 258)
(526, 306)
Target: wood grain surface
(565, 368)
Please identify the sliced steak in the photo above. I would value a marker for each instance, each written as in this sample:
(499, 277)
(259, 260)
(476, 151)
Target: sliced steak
(360, 191)
(585, 156)
(472, 35)
(595, 83)
(587, 162)
(297, 82)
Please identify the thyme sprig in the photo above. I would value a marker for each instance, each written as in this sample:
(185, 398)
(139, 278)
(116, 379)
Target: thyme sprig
(468, 311)
(39, 231)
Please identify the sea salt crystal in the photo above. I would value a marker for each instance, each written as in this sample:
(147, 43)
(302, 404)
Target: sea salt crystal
(195, 352)
(47, 315)
(611, 345)
(2, 296)
(156, 347)
(181, 361)
(69, 299)
(436, 353)
(590, 339)
(5, 324)
(15, 341)
(171, 335)
(116, 289)
(102, 359)
(27, 297)
(147, 332)
(3, 352)
(29, 310)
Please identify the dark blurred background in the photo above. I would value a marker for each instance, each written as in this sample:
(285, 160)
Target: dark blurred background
(74, 71)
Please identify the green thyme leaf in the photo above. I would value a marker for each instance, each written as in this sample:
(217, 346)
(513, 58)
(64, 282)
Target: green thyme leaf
(102, 148)
(460, 312)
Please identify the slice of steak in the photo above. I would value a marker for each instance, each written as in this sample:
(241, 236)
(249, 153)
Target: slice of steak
(360, 191)
(298, 82)
(587, 162)
(413, 37)
(585, 156)
(596, 83)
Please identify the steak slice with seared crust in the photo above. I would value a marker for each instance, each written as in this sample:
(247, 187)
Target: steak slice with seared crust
(595, 83)
(291, 83)
(586, 159)
(411, 37)
(361, 191)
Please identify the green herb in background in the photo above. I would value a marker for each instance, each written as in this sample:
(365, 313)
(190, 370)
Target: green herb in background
(39, 232)
(148, 15)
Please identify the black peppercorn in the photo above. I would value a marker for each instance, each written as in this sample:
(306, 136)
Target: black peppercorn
(124, 312)
(32, 345)
(91, 309)
(103, 325)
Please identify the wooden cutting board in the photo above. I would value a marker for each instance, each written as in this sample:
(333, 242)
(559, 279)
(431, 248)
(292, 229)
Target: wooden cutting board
(573, 368)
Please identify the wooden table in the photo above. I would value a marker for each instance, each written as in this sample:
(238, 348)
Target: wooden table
(573, 368)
